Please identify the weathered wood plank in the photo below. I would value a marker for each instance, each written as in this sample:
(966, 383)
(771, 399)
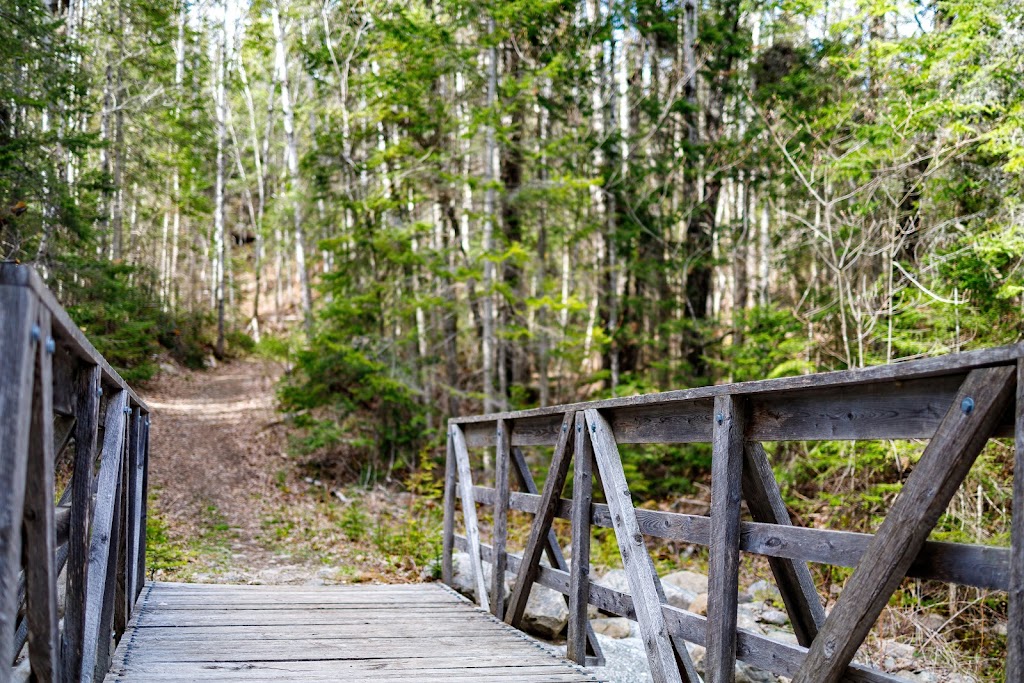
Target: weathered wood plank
(502, 463)
(40, 529)
(448, 531)
(895, 374)
(553, 485)
(764, 500)
(133, 514)
(644, 584)
(87, 407)
(16, 369)
(724, 562)
(143, 497)
(103, 539)
(552, 550)
(966, 564)
(1015, 621)
(582, 498)
(925, 495)
(909, 409)
(111, 617)
(469, 512)
(780, 658)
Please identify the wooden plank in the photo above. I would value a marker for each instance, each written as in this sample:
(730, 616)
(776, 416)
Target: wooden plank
(553, 485)
(87, 407)
(552, 549)
(136, 463)
(945, 462)
(448, 532)
(894, 374)
(1015, 620)
(908, 409)
(644, 584)
(724, 555)
(121, 567)
(503, 455)
(16, 369)
(962, 563)
(113, 596)
(757, 650)
(143, 498)
(579, 588)
(469, 513)
(103, 539)
(764, 500)
(40, 529)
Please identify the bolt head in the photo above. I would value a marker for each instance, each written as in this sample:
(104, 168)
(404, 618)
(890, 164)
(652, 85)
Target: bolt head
(51, 346)
(720, 418)
(35, 333)
(967, 405)
(99, 391)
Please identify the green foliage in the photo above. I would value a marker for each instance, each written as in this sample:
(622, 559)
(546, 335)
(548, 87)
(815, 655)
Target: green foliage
(162, 553)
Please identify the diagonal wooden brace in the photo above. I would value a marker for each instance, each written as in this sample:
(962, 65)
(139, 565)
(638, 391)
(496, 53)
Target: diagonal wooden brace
(469, 512)
(961, 435)
(644, 585)
(764, 500)
(549, 501)
(554, 551)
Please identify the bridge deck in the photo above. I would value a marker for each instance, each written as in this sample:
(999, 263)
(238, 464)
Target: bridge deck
(422, 633)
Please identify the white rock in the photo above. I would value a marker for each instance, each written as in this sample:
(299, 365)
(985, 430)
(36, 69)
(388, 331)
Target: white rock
(614, 627)
(694, 582)
(774, 617)
(546, 614)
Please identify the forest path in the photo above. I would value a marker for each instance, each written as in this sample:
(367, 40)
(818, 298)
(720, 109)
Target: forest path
(218, 468)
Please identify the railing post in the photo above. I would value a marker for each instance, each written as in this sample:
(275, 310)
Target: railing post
(1015, 622)
(40, 530)
(448, 537)
(87, 416)
(16, 366)
(503, 454)
(579, 567)
(143, 478)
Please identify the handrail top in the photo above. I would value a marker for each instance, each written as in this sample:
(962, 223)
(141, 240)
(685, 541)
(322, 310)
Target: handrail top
(13, 274)
(947, 364)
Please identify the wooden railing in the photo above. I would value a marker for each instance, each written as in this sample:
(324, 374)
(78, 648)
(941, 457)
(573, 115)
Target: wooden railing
(66, 509)
(957, 402)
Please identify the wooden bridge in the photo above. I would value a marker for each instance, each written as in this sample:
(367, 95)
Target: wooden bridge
(75, 605)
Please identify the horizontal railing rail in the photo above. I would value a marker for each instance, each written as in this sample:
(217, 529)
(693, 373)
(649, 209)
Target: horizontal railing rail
(74, 450)
(957, 402)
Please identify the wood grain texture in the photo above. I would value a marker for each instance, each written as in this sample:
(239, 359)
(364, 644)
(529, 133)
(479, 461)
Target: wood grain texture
(143, 497)
(755, 649)
(724, 553)
(552, 549)
(136, 463)
(455, 641)
(502, 462)
(87, 409)
(644, 584)
(793, 578)
(102, 554)
(925, 495)
(1015, 621)
(16, 368)
(579, 584)
(111, 612)
(541, 526)
(448, 530)
(469, 513)
(961, 563)
(40, 527)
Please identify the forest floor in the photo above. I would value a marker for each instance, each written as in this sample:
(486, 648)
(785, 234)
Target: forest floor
(228, 503)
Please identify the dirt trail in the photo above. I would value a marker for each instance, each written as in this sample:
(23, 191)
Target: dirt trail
(217, 448)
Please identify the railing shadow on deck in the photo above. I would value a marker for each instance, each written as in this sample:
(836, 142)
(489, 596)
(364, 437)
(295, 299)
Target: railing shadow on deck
(957, 402)
(74, 449)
